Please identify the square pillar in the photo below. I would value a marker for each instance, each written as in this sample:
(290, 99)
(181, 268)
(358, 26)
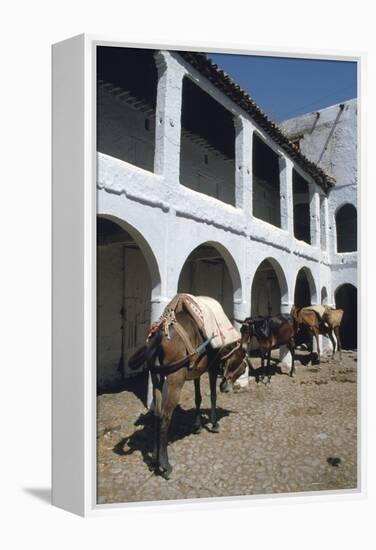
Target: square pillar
(324, 222)
(314, 210)
(286, 190)
(284, 353)
(243, 164)
(168, 117)
(241, 311)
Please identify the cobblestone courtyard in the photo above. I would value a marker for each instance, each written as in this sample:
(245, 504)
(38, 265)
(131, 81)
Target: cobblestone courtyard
(273, 438)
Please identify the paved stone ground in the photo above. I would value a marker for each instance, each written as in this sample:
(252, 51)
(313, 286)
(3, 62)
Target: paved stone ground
(273, 438)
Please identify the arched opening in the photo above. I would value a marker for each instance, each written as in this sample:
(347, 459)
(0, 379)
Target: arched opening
(346, 299)
(207, 151)
(305, 292)
(266, 183)
(346, 221)
(126, 274)
(127, 81)
(210, 270)
(302, 219)
(268, 287)
(324, 295)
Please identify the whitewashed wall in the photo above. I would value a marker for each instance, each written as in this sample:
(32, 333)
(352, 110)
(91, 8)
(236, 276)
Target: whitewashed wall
(330, 141)
(169, 221)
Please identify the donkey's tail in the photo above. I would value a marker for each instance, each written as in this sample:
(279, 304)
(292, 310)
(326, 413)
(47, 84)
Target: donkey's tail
(146, 353)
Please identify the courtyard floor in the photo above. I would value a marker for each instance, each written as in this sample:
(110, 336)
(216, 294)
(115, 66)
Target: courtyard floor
(274, 438)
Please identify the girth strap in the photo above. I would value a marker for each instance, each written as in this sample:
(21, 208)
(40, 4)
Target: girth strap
(184, 336)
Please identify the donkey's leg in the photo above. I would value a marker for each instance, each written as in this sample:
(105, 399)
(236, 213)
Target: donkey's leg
(339, 344)
(262, 368)
(310, 341)
(157, 381)
(330, 334)
(197, 426)
(314, 334)
(291, 346)
(170, 400)
(250, 366)
(213, 398)
(259, 372)
(268, 367)
(317, 346)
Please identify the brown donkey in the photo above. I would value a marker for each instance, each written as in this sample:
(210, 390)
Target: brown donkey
(315, 324)
(270, 332)
(166, 353)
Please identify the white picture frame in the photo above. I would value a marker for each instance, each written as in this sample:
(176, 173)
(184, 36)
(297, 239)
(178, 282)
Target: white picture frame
(74, 279)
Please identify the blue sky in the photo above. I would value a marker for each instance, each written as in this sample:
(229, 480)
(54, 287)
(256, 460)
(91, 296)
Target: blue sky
(287, 87)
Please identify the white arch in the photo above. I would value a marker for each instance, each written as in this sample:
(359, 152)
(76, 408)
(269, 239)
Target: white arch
(281, 277)
(342, 204)
(342, 225)
(345, 284)
(146, 250)
(229, 261)
(311, 283)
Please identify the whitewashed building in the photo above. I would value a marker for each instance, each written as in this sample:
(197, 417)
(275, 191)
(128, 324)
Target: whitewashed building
(329, 138)
(199, 192)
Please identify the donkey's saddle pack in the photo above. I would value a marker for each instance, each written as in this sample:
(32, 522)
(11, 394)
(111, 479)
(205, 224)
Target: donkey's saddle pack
(209, 316)
(329, 315)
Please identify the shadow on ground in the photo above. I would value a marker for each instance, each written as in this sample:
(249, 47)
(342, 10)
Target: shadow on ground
(137, 384)
(182, 426)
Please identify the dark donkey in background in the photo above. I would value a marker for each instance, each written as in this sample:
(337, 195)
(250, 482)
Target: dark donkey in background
(171, 361)
(270, 332)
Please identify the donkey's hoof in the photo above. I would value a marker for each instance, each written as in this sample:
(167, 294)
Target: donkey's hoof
(166, 473)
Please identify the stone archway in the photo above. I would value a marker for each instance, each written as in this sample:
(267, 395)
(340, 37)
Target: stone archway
(210, 270)
(346, 228)
(305, 289)
(269, 289)
(127, 276)
(346, 299)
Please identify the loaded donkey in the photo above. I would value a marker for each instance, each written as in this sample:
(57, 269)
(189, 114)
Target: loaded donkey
(270, 332)
(319, 319)
(192, 336)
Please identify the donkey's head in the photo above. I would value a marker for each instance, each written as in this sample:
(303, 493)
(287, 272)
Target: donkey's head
(247, 332)
(233, 367)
